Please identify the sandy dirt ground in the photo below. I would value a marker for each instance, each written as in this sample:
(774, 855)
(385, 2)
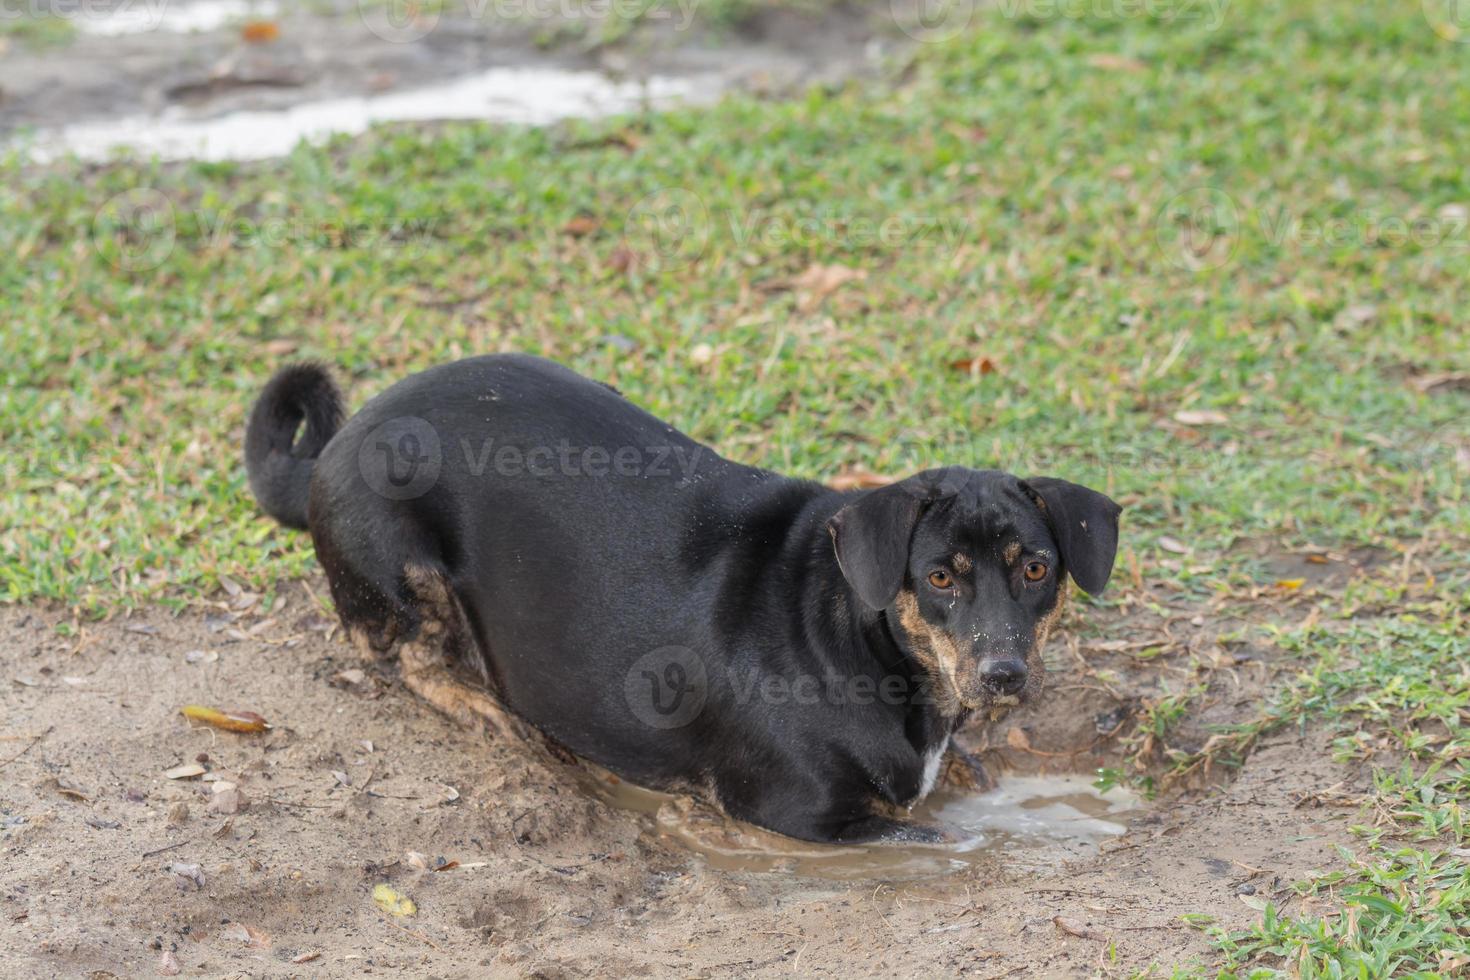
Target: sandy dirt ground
(112, 868)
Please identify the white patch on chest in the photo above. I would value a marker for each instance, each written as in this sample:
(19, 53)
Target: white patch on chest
(932, 760)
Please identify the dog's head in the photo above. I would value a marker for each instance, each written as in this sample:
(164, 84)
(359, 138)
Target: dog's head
(969, 566)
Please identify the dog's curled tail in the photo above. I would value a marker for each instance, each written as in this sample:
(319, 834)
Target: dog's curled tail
(278, 463)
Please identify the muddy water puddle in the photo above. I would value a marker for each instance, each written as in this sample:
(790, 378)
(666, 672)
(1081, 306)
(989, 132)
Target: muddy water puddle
(508, 95)
(1027, 821)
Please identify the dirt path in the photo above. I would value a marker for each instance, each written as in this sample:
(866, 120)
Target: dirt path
(356, 775)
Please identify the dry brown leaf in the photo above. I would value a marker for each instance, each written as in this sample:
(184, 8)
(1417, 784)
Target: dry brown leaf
(581, 226)
(621, 259)
(247, 935)
(974, 365)
(1173, 545)
(305, 957)
(1074, 928)
(1448, 380)
(230, 721)
(260, 31)
(820, 281)
(1200, 416)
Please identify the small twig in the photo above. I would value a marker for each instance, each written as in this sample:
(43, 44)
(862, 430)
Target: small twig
(30, 745)
(308, 806)
(161, 850)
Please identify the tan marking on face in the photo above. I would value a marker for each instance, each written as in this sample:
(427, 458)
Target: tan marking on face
(1012, 552)
(1035, 665)
(962, 563)
(937, 655)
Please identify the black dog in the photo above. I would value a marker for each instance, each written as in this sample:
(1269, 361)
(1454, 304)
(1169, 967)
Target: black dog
(799, 654)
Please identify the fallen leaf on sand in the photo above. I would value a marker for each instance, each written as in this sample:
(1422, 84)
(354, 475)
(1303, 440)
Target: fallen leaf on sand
(305, 957)
(188, 770)
(168, 964)
(1074, 928)
(225, 802)
(69, 789)
(187, 874)
(241, 933)
(391, 901)
(351, 677)
(230, 721)
(858, 478)
(1200, 416)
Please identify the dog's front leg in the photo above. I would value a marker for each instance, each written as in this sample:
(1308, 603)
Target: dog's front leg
(963, 770)
(424, 673)
(887, 830)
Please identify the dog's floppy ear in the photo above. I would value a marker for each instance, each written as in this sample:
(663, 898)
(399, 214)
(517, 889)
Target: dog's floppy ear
(1086, 525)
(871, 536)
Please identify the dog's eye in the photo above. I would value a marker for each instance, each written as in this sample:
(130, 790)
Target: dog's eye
(940, 579)
(1036, 571)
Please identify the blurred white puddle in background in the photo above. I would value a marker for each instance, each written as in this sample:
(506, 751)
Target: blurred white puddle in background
(508, 95)
(116, 19)
(1028, 822)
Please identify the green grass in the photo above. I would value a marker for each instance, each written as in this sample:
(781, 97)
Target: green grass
(1387, 668)
(1006, 202)
(1403, 915)
(1134, 218)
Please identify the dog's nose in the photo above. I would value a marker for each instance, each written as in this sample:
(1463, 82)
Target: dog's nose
(1005, 676)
